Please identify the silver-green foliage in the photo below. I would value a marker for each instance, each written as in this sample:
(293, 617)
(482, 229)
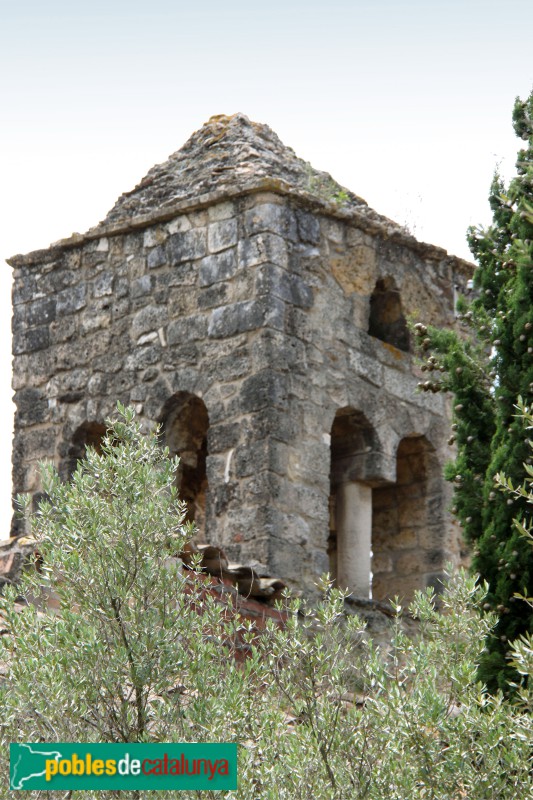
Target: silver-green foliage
(138, 653)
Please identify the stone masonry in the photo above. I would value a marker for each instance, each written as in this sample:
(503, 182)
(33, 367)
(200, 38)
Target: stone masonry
(257, 311)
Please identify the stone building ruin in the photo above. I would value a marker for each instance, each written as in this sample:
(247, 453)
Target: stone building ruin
(257, 311)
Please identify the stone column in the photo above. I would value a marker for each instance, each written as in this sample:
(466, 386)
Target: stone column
(354, 537)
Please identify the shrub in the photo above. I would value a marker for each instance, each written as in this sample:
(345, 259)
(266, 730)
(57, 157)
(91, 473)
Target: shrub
(138, 653)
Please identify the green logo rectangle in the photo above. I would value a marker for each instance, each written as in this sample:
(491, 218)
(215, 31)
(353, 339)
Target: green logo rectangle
(69, 766)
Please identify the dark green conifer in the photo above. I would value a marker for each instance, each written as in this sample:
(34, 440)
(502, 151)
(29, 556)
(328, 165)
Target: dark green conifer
(488, 372)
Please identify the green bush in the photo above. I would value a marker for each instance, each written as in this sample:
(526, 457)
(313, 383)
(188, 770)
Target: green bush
(137, 653)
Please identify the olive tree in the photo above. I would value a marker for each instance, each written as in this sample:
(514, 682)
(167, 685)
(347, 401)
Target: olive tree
(137, 651)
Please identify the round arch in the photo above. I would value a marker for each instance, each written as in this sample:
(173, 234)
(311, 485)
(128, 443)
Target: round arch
(184, 426)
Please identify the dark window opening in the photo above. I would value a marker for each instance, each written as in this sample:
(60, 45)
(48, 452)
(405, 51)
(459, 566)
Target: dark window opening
(89, 434)
(387, 321)
(353, 447)
(406, 532)
(185, 423)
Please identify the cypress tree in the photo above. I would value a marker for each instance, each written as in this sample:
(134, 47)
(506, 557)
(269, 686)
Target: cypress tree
(488, 367)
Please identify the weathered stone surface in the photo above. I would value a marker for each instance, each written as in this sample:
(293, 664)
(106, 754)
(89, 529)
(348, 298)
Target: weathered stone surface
(41, 312)
(148, 319)
(285, 285)
(216, 268)
(231, 297)
(156, 257)
(182, 330)
(245, 316)
(221, 235)
(308, 227)
(186, 246)
(31, 340)
(70, 300)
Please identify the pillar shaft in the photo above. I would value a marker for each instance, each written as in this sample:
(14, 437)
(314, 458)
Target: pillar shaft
(354, 537)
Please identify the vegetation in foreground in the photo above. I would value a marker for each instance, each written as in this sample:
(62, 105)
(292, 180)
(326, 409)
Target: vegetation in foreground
(138, 654)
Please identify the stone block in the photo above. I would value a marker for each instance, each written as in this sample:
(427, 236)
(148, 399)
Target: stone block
(94, 323)
(31, 340)
(32, 406)
(212, 296)
(223, 437)
(72, 299)
(103, 284)
(181, 355)
(366, 367)
(408, 563)
(381, 563)
(266, 217)
(430, 536)
(308, 227)
(223, 210)
(24, 288)
(231, 367)
(221, 235)
(404, 386)
(288, 531)
(143, 357)
(333, 230)
(249, 460)
(413, 513)
(261, 249)
(387, 586)
(299, 324)
(267, 388)
(41, 312)
(147, 338)
(141, 286)
(186, 246)
(156, 257)
(148, 319)
(245, 316)
(185, 274)
(216, 268)
(179, 225)
(271, 279)
(92, 260)
(154, 236)
(406, 538)
(122, 288)
(157, 395)
(189, 328)
(98, 384)
(275, 347)
(75, 380)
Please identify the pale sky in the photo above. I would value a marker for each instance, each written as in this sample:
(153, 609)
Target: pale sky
(408, 104)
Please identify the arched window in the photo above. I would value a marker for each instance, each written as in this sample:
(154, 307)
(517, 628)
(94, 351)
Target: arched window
(386, 321)
(89, 434)
(185, 423)
(349, 545)
(407, 531)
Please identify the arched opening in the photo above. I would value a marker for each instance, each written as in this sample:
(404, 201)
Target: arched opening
(353, 463)
(386, 320)
(89, 434)
(406, 533)
(185, 423)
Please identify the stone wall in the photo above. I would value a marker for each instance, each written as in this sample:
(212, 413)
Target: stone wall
(264, 327)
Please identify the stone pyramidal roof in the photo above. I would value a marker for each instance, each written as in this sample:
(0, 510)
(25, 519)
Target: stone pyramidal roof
(225, 158)
(229, 156)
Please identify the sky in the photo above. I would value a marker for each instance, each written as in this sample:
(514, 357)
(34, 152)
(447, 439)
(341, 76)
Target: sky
(408, 104)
